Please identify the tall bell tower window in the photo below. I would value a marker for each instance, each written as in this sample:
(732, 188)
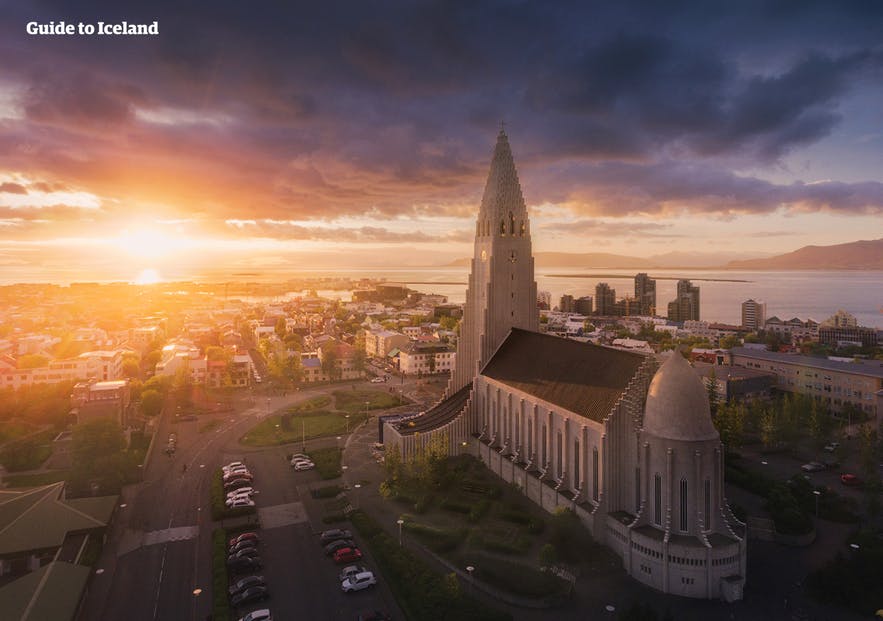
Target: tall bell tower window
(503, 228)
(511, 224)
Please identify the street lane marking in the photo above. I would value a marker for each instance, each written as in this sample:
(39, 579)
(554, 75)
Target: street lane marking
(282, 515)
(179, 533)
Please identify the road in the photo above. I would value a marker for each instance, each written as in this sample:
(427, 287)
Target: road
(156, 564)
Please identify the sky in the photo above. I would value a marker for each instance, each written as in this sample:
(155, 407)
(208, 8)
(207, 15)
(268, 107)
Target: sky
(296, 135)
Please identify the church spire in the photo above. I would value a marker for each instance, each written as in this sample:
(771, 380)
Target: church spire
(502, 192)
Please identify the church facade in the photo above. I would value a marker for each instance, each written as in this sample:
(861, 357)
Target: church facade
(624, 440)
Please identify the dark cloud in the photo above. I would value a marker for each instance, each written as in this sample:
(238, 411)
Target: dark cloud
(12, 188)
(309, 111)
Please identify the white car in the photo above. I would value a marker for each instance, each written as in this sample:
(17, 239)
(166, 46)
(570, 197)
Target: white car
(299, 458)
(258, 615)
(240, 502)
(242, 491)
(358, 582)
(377, 380)
(232, 464)
(232, 499)
(349, 571)
(304, 465)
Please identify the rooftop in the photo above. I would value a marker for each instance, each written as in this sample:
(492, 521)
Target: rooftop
(52, 592)
(870, 368)
(580, 377)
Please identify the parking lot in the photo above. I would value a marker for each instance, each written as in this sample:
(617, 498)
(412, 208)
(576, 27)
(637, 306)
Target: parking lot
(302, 581)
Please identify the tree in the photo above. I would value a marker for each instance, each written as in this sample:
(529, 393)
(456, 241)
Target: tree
(359, 359)
(94, 440)
(446, 322)
(131, 369)
(769, 428)
(151, 402)
(329, 362)
(711, 388)
(281, 328)
(729, 341)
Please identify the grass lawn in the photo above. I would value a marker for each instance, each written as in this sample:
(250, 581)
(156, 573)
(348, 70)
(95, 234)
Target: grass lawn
(327, 462)
(354, 400)
(307, 425)
(315, 403)
(33, 480)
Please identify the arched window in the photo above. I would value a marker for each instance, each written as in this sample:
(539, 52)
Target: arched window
(511, 224)
(503, 228)
(657, 500)
(683, 504)
(523, 228)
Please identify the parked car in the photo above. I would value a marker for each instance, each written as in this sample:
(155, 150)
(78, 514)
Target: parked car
(244, 553)
(232, 465)
(243, 564)
(338, 544)
(250, 595)
(377, 380)
(236, 484)
(238, 503)
(358, 582)
(238, 474)
(258, 615)
(244, 537)
(813, 466)
(350, 570)
(334, 533)
(850, 480)
(832, 447)
(246, 583)
(347, 555)
(242, 491)
(242, 545)
(304, 465)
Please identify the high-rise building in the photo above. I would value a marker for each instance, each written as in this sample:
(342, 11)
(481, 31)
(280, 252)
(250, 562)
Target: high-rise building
(645, 294)
(753, 315)
(544, 300)
(605, 299)
(685, 306)
(583, 305)
(566, 304)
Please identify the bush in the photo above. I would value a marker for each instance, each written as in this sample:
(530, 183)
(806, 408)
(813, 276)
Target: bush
(327, 462)
(423, 503)
(456, 506)
(786, 513)
(435, 538)
(479, 510)
(851, 581)
(517, 577)
(571, 540)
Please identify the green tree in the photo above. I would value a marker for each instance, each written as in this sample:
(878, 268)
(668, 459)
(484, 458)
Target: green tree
(131, 369)
(281, 328)
(151, 402)
(769, 428)
(711, 389)
(729, 342)
(329, 362)
(94, 440)
(359, 359)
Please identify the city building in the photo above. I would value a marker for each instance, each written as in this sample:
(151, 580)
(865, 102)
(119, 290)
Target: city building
(100, 365)
(737, 383)
(842, 329)
(566, 304)
(626, 443)
(836, 383)
(426, 358)
(605, 299)
(840, 319)
(96, 400)
(645, 294)
(753, 315)
(379, 343)
(794, 328)
(583, 305)
(544, 300)
(686, 305)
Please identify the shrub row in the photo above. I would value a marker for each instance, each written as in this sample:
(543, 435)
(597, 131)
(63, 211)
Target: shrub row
(423, 594)
(516, 577)
(436, 539)
(220, 579)
(494, 544)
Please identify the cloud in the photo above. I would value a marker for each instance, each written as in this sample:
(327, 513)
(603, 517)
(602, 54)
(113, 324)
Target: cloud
(612, 228)
(364, 234)
(12, 188)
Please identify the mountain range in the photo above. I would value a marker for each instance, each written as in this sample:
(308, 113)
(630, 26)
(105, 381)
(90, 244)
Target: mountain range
(858, 255)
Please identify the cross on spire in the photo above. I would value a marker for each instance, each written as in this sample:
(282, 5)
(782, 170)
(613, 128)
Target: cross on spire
(502, 126)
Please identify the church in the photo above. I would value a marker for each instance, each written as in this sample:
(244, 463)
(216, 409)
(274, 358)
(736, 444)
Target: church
(624, 440)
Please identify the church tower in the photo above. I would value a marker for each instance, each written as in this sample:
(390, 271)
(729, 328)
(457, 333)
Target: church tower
(501, 293)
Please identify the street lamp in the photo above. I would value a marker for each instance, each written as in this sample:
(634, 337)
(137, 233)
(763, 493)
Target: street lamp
(366, 410)
(817, 493)
(347, 417)
(469, 570)
(400, 521)
(356, 487)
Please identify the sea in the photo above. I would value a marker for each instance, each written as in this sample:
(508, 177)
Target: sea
(805, 294)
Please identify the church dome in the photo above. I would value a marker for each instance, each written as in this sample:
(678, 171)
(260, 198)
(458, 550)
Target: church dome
(677, 403)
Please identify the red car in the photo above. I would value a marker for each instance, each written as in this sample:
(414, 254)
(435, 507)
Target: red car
(850, 480)
(347, 555)
(245, 537)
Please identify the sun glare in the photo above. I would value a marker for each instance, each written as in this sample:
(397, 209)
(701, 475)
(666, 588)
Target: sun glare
(148, 277)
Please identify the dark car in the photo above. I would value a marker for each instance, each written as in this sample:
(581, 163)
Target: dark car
(236, 484)
(335, 533)
(338, 544)
(246, 583)
(244, 564)
(250, 595)
(244, 553)
(347, 555)
(242, 545)
(245, 537)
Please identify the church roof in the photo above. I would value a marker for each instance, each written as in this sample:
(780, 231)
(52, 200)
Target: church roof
(677, 403)
(579, 377)
(502, 192)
